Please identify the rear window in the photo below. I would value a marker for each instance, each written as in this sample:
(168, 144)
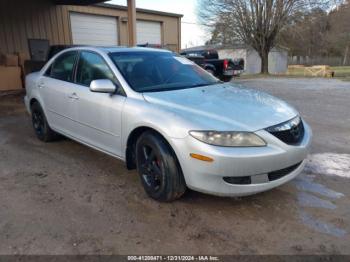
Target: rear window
(208, 54)
(160, 71)
(62, 67)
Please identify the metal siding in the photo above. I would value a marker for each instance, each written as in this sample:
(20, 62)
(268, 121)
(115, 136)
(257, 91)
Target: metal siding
(66, 25)
(42, 19)
(41, 22)
(54, 25)
(48, 25)
(233, 54)
(13, 28)
(7, 31)
(94, 29)
(60, 25)
(33, 20)
(278, 61)
(2, 33)
(34, 23)
(253, 62)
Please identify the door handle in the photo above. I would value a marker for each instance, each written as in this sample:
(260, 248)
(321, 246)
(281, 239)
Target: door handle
(41, 85)
(73, 96)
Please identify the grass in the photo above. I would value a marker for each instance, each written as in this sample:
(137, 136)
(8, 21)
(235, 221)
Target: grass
(340, 72)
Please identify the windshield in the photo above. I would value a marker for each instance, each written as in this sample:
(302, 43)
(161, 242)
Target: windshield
(160, 71)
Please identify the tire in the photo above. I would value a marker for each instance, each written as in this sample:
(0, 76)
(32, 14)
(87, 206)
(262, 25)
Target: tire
(227, 78)
(41, 128)
(210, 71)
(158, 168)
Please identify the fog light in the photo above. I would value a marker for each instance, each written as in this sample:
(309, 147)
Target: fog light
(202, 158)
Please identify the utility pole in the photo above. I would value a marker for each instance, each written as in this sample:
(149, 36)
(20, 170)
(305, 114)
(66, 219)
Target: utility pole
(132, 22)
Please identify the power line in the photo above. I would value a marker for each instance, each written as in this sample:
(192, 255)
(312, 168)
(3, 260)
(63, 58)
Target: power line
(193, 23)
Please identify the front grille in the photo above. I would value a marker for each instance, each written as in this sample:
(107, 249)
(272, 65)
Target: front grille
(292, 136)
(282, 172)
(272, 176)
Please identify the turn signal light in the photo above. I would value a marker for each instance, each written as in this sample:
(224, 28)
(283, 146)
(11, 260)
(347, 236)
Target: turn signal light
(202, 158)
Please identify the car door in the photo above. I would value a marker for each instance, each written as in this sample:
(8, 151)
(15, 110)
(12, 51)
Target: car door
(98, 115)
(56, 87)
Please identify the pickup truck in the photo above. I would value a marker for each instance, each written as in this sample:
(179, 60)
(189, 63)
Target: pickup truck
(224, 69)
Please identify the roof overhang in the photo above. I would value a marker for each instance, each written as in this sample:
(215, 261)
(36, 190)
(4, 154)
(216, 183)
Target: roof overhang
(120, 7)
(141, 10)
(77, 2)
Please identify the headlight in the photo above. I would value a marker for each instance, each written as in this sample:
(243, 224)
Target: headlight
(228, 138)
(288, 125)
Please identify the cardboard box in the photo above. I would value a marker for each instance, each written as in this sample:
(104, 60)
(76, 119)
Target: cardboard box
(10, 78)
(10, 60)
(22, 57)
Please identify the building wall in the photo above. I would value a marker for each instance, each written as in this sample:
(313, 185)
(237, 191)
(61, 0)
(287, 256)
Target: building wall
(20, 20)
(233, 54)
(278, 60)
(253, 63)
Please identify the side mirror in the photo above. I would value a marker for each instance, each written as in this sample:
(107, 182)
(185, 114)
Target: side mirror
(102, 86)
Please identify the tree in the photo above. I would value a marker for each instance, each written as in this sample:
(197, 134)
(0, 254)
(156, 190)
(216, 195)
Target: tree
(306, 35)
(256, 23)
(320, 33)
(339, 33)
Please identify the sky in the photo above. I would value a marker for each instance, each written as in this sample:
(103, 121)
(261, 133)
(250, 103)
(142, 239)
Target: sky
(192, 34)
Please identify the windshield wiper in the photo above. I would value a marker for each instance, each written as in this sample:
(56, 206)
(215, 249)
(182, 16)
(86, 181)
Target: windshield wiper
(160, 88)
(207, 84)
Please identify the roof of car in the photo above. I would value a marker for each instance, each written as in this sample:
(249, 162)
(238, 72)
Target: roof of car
(113, 49)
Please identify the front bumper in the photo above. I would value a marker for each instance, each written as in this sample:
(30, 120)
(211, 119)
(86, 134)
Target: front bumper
(208, 177)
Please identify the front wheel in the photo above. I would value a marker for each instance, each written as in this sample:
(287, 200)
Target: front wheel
(159, 170)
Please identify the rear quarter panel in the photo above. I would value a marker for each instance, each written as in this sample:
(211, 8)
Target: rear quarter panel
(32, 90)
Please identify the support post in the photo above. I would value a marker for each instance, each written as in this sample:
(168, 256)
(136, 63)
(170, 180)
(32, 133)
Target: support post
(132, 22)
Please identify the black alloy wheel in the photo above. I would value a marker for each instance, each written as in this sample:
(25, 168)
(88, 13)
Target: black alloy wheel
(41, 127)
(152, 168)
(158, 168)
(38, 122)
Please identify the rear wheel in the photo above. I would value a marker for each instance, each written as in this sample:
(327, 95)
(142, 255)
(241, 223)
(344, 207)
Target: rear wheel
(157, 165)
(41, 127)
(227, 78)
(210, 71)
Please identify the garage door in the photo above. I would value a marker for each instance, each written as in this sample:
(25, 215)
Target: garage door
(94, 29)
(148, 32)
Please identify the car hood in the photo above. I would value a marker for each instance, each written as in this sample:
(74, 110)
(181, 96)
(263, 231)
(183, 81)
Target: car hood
(224, 107)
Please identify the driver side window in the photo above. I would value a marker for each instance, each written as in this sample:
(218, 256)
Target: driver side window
(92, 66)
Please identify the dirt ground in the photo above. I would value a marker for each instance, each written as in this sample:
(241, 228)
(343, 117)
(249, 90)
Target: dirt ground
(64, 198)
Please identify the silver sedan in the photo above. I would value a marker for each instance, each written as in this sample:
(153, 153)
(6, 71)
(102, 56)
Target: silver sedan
(179, 126)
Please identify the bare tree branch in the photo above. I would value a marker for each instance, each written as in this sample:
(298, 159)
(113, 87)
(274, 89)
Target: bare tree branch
(256, 23)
